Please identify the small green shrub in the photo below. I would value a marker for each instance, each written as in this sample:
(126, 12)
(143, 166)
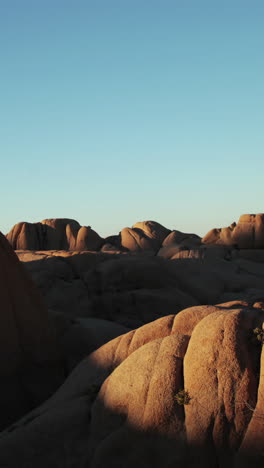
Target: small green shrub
(259, 334)
(183, 397)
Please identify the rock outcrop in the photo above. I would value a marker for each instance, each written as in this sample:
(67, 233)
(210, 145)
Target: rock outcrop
(181, 381)
(135, 289)
(248, 233)
(53, 234)
(30, 366)
(122, 406)
(149, 236)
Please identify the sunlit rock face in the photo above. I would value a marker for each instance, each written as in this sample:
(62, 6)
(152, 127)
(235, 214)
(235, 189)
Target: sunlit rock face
(146, 235)
(248, 233)
(121, 406)
(30, 367)
(53, 234)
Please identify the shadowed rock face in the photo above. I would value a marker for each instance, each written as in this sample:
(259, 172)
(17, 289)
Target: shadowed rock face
(248, 233)
(30, 367)
(119, 406)
(128, 289)
(133, 289)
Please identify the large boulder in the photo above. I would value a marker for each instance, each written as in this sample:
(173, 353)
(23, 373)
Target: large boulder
(146, 235)
(181, 239)
(189, 386)
(84, 238)
(56, 238)
(248, 233)
(54, 234)
(217, 369)
(30, 366)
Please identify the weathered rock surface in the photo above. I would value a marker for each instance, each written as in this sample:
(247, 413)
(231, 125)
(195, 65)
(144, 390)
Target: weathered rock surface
(67, 234)
(53, 234)
(248, 233)
(30, 366)
(181, 239)
(146, 235)
(127, 289)
(119, 405)
(133, 289)
(210, 352)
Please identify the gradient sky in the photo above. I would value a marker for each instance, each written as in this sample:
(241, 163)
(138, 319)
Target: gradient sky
(118, 111)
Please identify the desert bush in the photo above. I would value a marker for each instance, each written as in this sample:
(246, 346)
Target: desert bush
(182, 397)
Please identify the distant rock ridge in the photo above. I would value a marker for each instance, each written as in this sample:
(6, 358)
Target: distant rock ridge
(54, 234)
(67, 234)
(248, 233)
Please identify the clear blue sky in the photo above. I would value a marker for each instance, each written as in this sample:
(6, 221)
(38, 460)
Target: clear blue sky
(117, 111)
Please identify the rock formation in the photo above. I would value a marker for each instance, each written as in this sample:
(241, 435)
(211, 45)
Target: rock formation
(67, 234)
(53, 234)
(248, 233)
(121, 405)
(147, 235)
(170, 327)
(133, 289)
(30, 366)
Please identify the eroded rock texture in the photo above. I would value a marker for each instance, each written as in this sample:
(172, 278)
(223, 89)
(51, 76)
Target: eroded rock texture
(133, 289)
(54, 234)
(161, 318)
(148, 236)
(119, 406)
(248, 233)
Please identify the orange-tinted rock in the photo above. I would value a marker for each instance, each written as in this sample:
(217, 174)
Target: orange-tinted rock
(136, 407)
(220, 375)
(135, 240)
(53, 234)
(248, 233)
(56, 233)
(221, 236)
(147, 235)
(153, 230)
(23, 235)
(251, 451)
(137, 402)
(87, 239)
(181, 238)
(134, 419)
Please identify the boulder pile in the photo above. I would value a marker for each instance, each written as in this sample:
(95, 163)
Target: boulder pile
(185, 390)
(141, 349)
(67, 234)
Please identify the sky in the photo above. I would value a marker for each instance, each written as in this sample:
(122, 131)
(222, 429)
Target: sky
(119, 111)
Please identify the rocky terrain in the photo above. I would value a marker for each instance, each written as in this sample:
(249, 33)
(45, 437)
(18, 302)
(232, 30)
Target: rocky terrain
(142, 349)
